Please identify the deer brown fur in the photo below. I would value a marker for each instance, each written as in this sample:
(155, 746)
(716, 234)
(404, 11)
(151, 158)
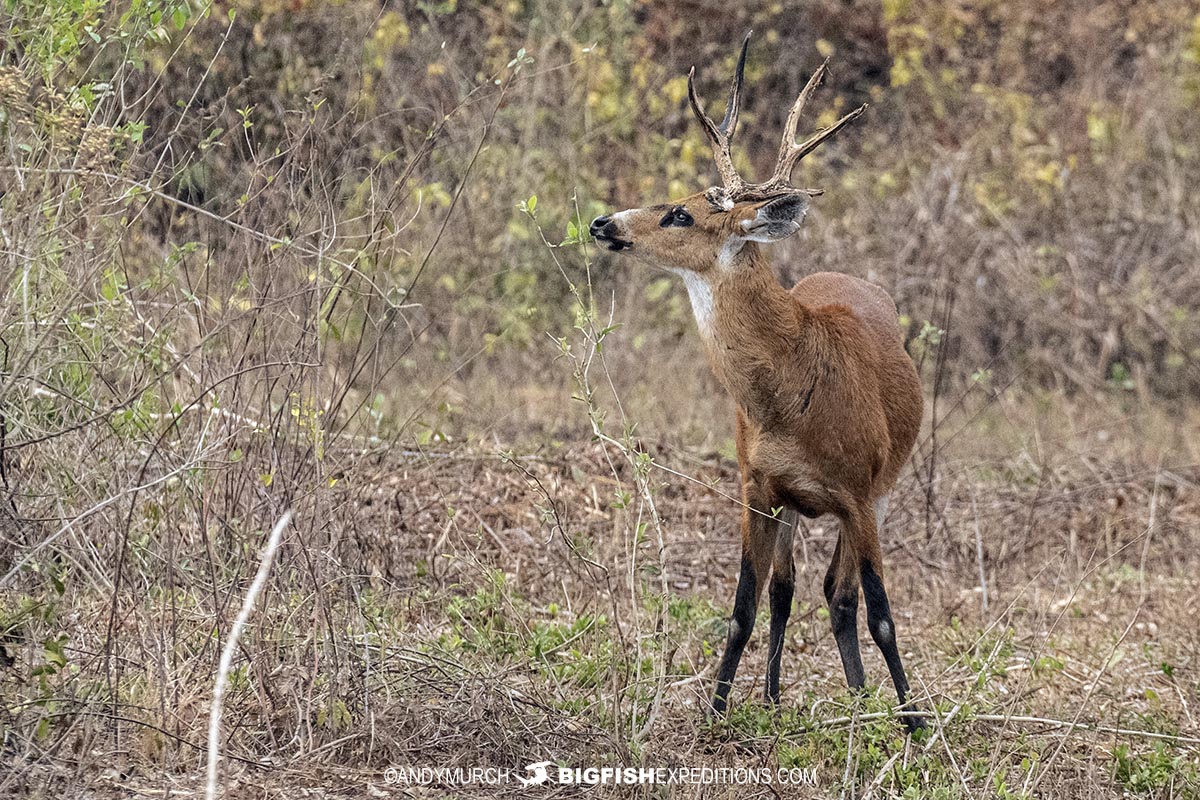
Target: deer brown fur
(829, 403)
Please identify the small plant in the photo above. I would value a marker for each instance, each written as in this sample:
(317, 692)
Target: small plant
(1153, 769)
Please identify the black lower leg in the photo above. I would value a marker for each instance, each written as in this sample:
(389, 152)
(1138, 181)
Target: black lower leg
(782, 590)
(842, 596)
(883, 631)
(741, 625)
(843, 616)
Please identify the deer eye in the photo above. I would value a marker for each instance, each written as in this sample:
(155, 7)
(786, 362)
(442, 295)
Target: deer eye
(677, 217)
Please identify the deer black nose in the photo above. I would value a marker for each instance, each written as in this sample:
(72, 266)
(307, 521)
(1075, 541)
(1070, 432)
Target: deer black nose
(599, 223)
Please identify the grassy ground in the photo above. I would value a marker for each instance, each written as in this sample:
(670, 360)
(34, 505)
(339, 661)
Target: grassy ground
(499, 610)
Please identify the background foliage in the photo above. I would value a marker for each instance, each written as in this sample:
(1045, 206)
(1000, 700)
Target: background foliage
(1024, 179)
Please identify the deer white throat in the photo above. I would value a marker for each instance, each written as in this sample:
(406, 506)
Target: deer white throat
(700, 290)
(701, 294)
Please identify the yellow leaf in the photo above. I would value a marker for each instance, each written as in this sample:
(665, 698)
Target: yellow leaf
(675, 90)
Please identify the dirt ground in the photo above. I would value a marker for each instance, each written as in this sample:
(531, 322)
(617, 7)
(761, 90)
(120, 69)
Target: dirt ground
(516, 615)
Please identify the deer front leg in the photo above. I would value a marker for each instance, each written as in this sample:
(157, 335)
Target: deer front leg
(758, 545)
(783, 587)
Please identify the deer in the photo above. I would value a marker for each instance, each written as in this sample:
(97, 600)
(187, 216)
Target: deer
(829, 403)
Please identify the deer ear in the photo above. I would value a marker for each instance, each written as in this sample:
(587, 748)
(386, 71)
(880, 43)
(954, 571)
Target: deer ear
(776, 219)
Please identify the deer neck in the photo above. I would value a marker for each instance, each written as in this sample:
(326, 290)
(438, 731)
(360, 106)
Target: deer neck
(750, 324)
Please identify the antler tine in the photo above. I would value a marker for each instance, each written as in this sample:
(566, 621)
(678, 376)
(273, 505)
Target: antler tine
(720, 136)
(814, 141)
(791, 153)
(709, 128)
(717, 140)
(788, 148)
(734, 104)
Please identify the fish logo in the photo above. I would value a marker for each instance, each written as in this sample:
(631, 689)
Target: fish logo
(540, 774)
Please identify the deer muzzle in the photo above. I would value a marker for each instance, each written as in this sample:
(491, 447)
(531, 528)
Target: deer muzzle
(604, 230)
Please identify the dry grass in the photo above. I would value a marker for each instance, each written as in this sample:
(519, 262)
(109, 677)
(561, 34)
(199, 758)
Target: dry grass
(481, 611)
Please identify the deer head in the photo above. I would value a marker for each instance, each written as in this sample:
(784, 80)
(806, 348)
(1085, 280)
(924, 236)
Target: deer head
(709, 228)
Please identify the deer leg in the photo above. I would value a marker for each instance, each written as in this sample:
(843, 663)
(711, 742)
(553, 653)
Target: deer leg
(841, 592)
(783, 587)
(758, 544)
(883, 631)
(865, 522)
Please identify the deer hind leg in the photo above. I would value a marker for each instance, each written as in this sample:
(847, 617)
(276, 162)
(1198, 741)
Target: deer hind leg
(879, 619)
(783, 587)
(841, 592)
(758, 545)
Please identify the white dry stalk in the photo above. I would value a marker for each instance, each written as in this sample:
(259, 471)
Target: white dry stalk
(1150, 524)
(877, 783)
(849, 753)
(1012, 719)
(979, 553)
(222, 682)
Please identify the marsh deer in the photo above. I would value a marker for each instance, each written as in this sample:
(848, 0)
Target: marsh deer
(828, 401)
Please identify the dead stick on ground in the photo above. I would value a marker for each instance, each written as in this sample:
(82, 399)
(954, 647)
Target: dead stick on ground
(214, 716)
(837, 722)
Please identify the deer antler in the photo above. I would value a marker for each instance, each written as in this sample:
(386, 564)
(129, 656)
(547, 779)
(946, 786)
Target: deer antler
(790, 152)
(720, 136)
